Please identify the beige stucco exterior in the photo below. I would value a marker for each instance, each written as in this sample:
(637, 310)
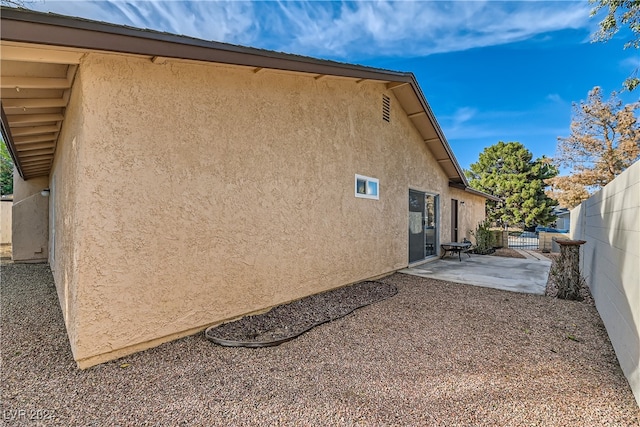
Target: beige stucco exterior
(470, 213)
(67, 214)
(184, 195)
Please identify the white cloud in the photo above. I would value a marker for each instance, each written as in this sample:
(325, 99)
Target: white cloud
(462, 115)
(423, 27)
(347, 29)
(226, 21)
(631, 63)
(554, 97)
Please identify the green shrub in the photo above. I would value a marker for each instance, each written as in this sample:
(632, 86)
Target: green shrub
(485, 239)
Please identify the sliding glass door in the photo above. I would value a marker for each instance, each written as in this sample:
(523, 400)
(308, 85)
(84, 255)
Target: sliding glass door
(423, 225)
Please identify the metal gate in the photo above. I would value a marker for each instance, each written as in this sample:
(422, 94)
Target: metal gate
(523, 240)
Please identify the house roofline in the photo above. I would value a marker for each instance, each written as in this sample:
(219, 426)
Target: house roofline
(8, 139)
(438, 129)
(476, 192)
(24, 26)
(21, 25)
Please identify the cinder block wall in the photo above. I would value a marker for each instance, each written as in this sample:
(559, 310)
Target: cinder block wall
(30, 219)
(610, 223)
(5, 222)
(546, 243)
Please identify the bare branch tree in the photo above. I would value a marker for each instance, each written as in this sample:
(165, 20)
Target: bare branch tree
(17, 3)
(604, 142)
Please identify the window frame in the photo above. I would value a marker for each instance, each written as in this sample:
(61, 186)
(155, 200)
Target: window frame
(367, 180)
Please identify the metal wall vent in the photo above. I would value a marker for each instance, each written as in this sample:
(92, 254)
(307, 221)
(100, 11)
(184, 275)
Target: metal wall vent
(386, 108)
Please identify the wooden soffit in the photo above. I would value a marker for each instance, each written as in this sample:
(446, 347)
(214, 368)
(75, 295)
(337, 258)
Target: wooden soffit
(35, 84)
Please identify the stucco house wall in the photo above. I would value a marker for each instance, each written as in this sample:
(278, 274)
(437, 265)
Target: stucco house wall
(470, 213)
(609, 221)
(67, 213)
(189, 194)
(193, 182)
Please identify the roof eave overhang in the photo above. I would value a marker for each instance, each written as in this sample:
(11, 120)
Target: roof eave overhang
(61, 31)
(468, 189)
(8, 139)
(57, 31)
(460, 177)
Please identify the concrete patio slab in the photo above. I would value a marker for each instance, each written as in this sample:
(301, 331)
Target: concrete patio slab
(509, 274)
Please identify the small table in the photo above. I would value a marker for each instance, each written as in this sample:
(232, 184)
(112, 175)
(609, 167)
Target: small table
(454, 247)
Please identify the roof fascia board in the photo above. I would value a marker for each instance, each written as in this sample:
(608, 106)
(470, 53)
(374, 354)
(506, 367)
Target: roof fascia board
(57, 30)
(483, 194)
(438, 129)
(468, 189)
(8, 139)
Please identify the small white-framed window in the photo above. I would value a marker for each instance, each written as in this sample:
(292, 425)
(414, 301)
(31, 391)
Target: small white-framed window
(367, 187)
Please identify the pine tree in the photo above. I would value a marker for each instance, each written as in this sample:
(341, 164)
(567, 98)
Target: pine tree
(6, 170)
(507, 170)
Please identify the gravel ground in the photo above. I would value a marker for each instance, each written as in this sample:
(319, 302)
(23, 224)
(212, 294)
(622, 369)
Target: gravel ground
(508, 253)
(436, 353)
(287, 321)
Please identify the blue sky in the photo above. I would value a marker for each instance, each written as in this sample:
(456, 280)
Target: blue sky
(491, 70)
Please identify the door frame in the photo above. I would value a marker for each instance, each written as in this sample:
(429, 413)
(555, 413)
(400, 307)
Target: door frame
(423, 243)
(455, 219)
(416, 239)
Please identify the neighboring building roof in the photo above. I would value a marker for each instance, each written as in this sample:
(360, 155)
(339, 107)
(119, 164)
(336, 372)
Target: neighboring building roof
(34, 97)
(561, 212)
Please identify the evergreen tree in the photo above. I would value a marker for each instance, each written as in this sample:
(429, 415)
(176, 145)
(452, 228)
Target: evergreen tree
(507, 170)
(6, 170)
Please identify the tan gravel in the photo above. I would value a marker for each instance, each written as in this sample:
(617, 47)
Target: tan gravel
(436, 353)
(508, 253)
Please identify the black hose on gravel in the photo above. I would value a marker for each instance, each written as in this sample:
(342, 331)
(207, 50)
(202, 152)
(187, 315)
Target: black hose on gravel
(210, 333)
